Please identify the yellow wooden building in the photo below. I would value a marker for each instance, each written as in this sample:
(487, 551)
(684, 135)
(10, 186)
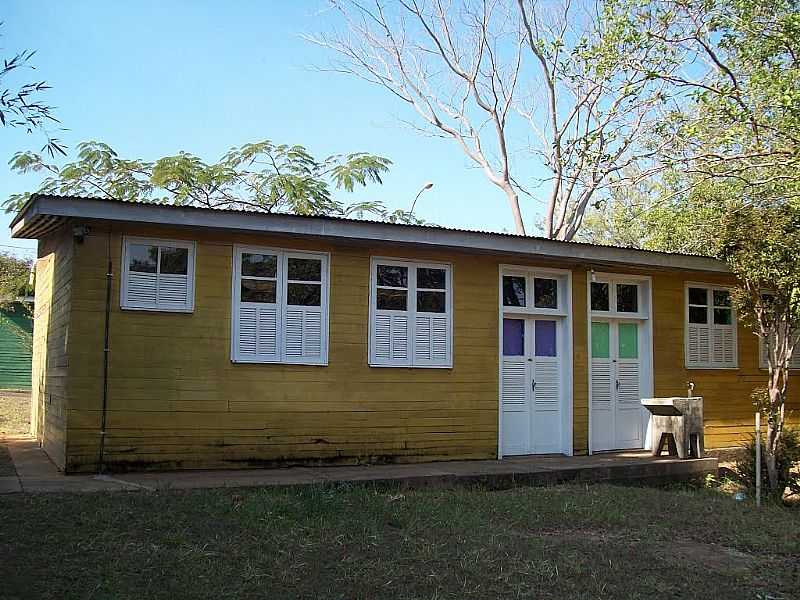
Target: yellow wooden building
(171, 337)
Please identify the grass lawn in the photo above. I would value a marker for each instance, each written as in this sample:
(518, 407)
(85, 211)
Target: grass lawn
(599, 541)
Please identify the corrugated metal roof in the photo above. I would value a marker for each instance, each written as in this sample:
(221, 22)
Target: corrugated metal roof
(429, 227)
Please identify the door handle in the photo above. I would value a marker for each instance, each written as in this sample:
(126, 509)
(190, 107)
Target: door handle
(533, 385)
(617, 383)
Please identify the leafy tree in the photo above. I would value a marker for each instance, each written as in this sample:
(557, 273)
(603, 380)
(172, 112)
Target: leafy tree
(261, 176)
(14, 276)
(14, 284)
(736, 97)
(656, 215)
(21, 106)
(549, 102)
(762, 247)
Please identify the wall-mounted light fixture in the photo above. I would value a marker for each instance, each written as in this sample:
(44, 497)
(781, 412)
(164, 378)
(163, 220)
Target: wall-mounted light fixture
(79, 232)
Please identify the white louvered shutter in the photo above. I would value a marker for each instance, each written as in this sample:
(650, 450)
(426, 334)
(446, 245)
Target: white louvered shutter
(145, 290)
(794, 363)
(257, 333)
(628, 378)
(516, 408)
(303, 334)
(142, 290)
(698, 347)
(432, 339)
(601, 381)
(546, 405)
(173, 291)
(723, 350)
(390, 339)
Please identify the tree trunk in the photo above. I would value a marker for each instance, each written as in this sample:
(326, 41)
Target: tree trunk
(778, 373)
(771, 457)
(513, 203)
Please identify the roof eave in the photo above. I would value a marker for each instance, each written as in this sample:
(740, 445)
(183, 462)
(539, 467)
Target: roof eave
(40, 206)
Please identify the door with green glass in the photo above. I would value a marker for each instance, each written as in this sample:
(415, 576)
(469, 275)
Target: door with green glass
(616, 371)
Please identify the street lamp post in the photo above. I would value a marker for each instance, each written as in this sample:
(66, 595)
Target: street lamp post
(427, 186)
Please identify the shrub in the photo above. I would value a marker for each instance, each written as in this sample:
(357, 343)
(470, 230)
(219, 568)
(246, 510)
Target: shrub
(788, 458)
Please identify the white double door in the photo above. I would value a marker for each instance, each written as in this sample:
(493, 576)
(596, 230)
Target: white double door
(616, 382)
(531, 386)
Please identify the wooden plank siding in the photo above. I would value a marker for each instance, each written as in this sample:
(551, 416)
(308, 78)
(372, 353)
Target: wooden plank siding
(728, 411)
(51, 357)
(175, 399)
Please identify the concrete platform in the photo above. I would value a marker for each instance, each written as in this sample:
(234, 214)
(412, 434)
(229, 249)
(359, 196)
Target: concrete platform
(36, 474)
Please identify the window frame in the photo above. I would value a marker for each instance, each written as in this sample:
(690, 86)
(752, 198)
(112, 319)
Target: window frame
(643, 285)
(529, 274)
(189, 245)
(734, 325)
(281, 287)
(411, 310)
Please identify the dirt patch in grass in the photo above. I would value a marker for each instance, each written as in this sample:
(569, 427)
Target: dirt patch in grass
(365, 541)
(711, 556)
(15, 413)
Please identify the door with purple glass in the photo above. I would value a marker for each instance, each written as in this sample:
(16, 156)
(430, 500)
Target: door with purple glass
(546, 434)
(530, 386)
(515, 387)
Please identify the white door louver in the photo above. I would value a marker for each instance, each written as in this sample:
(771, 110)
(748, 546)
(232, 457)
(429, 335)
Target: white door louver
(516, 408)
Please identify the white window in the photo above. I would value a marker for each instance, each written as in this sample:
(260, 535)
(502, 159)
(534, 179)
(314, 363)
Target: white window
(280, 306)
(618, 296)
(157, 275)
(524, 290)
(410, 314)
(710, 328)
(794, 362)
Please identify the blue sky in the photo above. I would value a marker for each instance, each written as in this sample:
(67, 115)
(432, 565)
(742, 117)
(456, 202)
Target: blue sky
(153, 78)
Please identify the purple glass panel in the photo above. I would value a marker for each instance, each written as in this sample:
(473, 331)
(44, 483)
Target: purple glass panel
(513, 337)
(545, 334)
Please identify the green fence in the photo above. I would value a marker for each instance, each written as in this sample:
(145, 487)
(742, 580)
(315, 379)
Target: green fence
(16, 334)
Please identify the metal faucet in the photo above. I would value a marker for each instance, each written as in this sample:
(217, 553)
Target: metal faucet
(690, 386)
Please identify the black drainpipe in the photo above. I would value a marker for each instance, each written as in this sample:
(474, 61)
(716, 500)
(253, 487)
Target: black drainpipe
(109, 279)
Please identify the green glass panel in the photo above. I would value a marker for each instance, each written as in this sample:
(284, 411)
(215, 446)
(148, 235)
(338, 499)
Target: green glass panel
(628, 340)
(600, 340)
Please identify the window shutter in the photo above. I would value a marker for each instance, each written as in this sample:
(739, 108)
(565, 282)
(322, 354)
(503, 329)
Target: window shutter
(391, 338)
(303, 334)
(431, 339)
(729, 347)
(155, 276)
(257, 333)
(142, 290)
(794, 362)
(723, 349)
(173, 291)
(698, 350)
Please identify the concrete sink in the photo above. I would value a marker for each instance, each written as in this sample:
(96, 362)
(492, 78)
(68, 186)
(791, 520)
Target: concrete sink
(677, 422)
